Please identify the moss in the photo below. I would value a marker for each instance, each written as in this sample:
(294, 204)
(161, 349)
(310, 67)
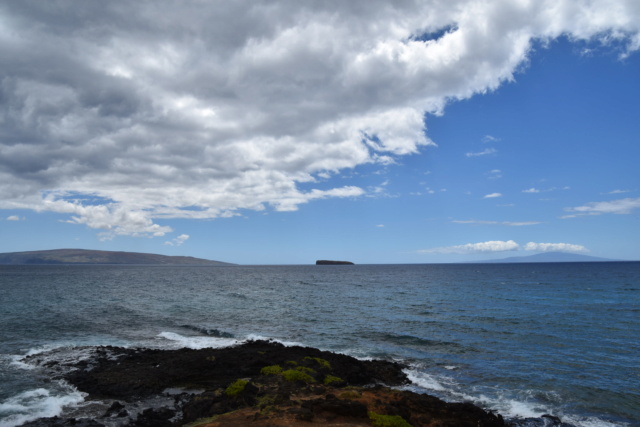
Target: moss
(349, 394)
(322, 362)
(271, 370)
(330, 379)
(291, 362)
(236, 388)
(266, 400)
(306, 370)
(387, 420)
(296, 375)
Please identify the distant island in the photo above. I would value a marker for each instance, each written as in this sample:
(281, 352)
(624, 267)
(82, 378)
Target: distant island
(86, 256)
(550, 257)
(328, 262)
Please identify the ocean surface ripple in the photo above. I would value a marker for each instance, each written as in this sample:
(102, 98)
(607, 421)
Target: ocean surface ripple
(522, 339)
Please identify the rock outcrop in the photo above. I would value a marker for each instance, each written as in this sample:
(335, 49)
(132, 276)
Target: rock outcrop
(259, 383)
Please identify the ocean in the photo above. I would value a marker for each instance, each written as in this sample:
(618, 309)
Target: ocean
(521, 339)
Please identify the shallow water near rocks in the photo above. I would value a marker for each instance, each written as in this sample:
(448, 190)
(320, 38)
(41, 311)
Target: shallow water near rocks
(522, 339)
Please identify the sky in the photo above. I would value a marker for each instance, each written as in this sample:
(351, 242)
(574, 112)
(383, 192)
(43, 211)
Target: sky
(283, 132)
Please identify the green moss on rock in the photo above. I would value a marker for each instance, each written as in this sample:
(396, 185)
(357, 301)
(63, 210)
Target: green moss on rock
(271, 370)
(331, 379)
(379, 420)
(322, 362)
(297, 375)
(236, 388)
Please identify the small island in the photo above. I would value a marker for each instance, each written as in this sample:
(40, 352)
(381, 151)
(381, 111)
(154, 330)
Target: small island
(328, 262)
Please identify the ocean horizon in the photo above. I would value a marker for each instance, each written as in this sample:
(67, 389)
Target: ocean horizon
(523, 340)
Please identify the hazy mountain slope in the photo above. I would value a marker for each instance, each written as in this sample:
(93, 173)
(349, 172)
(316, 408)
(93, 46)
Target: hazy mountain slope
(84, 256)
(551, 257)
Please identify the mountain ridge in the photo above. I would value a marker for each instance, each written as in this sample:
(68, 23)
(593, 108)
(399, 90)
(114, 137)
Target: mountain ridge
(550, 257)
(89, 256)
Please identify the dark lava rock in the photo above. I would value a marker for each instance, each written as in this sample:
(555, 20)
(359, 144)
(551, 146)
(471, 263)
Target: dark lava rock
(258, 383)
(62, 422)
(133, 374)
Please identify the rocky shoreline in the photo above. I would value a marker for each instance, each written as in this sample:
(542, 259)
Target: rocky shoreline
(258, 383)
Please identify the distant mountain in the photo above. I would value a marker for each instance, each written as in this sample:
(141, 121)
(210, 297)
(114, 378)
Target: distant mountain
(550, 257)
(84, 256)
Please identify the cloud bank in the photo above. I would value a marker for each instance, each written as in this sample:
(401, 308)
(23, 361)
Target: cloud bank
(620, 207)
(121, 114)
(505, 246)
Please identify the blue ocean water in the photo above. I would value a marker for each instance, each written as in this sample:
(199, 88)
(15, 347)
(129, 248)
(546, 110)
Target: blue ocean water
(522, 339)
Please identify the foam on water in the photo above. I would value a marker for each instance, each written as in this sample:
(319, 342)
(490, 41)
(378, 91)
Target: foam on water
(520, 409)
(197, 342)
(424, 380)
(37, 403)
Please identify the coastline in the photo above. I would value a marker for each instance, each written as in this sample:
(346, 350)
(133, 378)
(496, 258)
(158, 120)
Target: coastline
(256, 383)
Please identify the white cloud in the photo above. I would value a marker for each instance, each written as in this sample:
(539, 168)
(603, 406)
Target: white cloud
(620, 207)
(507, 223)
(14, 218)
(546, 190)
(186, 109)
(492, 196)
(178, 241)
(495, 174)
(504, 246)
(471, 248)
(489, 138)
(484, 152)
(554, 247)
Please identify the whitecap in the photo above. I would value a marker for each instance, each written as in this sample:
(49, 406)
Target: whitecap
(424, 380)
(37, 403)
(591, 422)
(255, 337)
(197, 342)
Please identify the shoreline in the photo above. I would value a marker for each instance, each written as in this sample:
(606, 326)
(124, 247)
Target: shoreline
(256, 383)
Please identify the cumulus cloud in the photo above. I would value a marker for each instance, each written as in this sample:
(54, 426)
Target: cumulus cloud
(14, 218)
(122, 114)
(554, 247)
(474, 248)
(504, 246)
(620, 207)
(178, 241)
(534, 190)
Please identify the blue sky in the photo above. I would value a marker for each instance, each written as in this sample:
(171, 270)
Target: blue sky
(513, 131)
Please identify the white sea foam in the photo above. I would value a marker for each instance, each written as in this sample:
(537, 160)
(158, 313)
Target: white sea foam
(448, 389)
(592, 422)
(37, 403)
(197, 342)
(424, 380)
(255, 337)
